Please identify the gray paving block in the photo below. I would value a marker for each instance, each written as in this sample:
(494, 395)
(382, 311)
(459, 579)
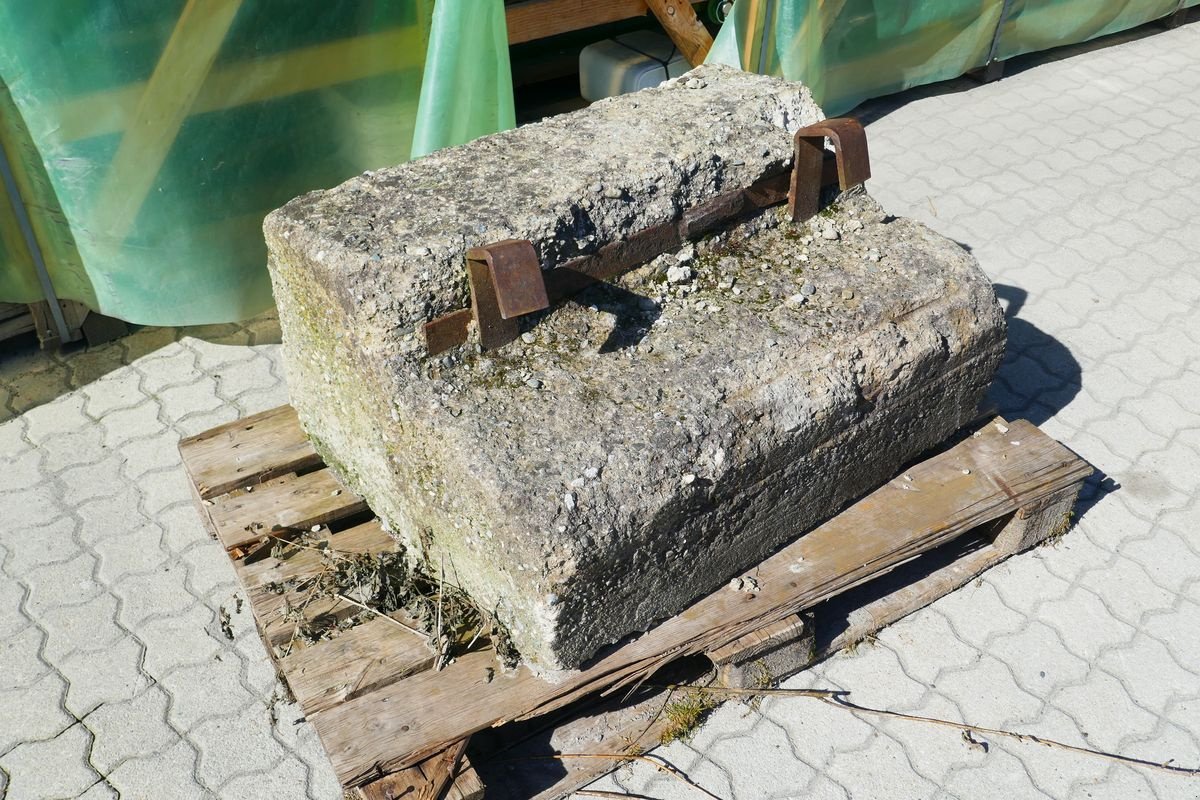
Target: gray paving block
(130, 728)
(57, 767)
(32, 713)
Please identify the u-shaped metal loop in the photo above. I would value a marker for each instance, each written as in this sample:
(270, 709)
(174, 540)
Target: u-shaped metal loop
(506, 282)
(850, 152)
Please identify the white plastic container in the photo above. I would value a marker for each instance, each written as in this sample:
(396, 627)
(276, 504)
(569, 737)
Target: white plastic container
(627, 63)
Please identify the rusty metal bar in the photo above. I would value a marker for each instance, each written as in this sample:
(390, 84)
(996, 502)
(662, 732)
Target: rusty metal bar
(507, 281)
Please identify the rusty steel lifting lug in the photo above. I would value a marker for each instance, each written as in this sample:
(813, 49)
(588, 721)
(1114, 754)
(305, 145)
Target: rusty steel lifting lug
(808, 164)
(507, 281)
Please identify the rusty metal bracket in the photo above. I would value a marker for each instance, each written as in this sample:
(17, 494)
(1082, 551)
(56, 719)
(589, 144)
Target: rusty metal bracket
(507, 281)
(850, 153)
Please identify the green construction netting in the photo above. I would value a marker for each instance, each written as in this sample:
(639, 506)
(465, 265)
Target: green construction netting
(148, 138)
(850, 50)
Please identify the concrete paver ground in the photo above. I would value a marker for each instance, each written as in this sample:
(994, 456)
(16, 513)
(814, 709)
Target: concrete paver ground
(1075, 182)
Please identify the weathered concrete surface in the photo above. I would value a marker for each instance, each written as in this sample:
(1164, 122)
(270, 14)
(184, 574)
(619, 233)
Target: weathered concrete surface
(637, 448)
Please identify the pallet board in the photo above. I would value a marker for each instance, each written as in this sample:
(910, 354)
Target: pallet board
(384, 715)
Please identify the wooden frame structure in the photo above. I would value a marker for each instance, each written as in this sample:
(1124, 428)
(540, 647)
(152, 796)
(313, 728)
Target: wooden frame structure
(537, 19)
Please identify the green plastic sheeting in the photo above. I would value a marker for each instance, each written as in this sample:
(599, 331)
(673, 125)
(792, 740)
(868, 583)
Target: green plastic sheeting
(463, 95)
(1035, 25)
(850, 50)
(150, 137)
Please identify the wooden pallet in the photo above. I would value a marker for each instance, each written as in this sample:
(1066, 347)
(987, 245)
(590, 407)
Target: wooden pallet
(391, 725)
(19, 318)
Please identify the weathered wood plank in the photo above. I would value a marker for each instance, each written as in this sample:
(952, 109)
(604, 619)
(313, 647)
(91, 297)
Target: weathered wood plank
(439, 771)
(979, 479)
(315, 498)
(269, 605)
(404, 783)
(274, 626)
(355, 662)
(537, 19)
(467, 783)
(679, 20)
(758, 641)
(430, 780)
(247, 451)
(369, 537)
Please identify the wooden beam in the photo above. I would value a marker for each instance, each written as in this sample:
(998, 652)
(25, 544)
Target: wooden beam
(163, 106)
(257, 79)
(537, 19)
(686, 30)
(74, 314)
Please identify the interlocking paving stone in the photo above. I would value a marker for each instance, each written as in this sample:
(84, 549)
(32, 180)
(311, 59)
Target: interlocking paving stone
(32, 713)
(1075, 182)
(130, 728)
(103, 676)
(55, 767)
(162, 773)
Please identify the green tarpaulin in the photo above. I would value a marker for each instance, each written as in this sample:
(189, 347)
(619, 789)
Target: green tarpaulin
(148, 138)
(851, 50)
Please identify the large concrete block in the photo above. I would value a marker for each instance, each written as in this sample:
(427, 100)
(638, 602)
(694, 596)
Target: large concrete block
(641, 445)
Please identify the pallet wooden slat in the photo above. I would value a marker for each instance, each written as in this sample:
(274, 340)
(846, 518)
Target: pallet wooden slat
(975, 481)
(315, 498)
(331, 671)
(247, 452)
(354, 663)
(369, 537)
(429, 780)
(274, 626)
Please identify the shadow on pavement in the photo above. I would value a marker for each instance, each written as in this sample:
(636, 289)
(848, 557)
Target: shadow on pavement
(1038, 378)
(30, 376)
